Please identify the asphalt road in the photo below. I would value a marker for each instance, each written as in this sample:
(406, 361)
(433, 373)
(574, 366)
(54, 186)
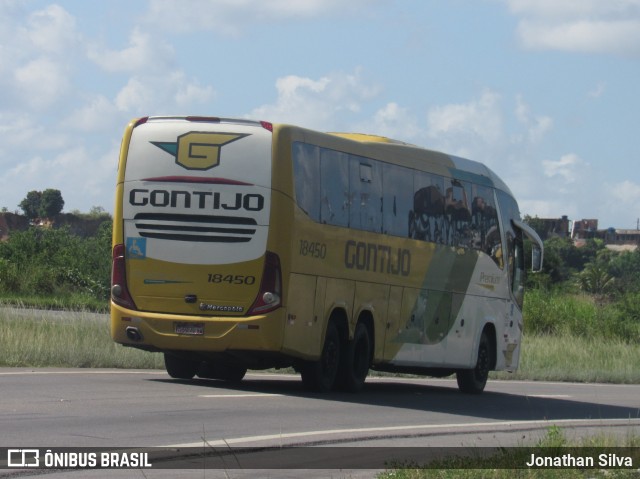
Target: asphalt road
(52, 408)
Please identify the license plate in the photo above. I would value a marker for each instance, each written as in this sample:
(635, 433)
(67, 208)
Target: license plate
(193, 329)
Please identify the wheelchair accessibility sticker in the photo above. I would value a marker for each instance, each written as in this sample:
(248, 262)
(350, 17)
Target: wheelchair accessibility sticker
(136, 248)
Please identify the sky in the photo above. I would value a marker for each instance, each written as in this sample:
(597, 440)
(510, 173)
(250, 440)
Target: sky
(545, 92)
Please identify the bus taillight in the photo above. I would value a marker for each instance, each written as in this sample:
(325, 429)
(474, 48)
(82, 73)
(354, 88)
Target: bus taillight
(119, 290)
(270, 294)
(267, 126)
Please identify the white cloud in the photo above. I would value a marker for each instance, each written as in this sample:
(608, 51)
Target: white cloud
(42, 82)
(598, 91)
(52, 29)
(625, 193)
(481, 118)
(189, 93)
(134, 96)
(549, 208)
(573, 8)
(467, 128)
(20, 132)
(592, 26)
(537, 126)
(567, 167)
(81, 176)
(144, 53)
(231, 17)
(394, 121)
(99, 113)
(36, 54)
(622, 36)
(328, 102)
(154, 95)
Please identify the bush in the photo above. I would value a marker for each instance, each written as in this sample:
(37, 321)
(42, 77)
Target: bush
(44, 261)
(560, 313)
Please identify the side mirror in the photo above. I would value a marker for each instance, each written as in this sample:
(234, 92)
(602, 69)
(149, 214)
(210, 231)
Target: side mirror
(537, 251)
(536, 259)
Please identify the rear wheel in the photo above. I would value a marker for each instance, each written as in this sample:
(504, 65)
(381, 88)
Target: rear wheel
(473, 381)
(180, 368)
(224, 372)
(321, 375)
(356, 360)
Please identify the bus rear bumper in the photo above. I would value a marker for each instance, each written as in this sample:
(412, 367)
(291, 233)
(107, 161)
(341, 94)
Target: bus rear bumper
(170, 332)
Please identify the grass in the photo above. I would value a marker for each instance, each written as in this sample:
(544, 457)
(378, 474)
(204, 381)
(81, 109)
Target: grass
(558, 313)
(81, 339)
(69, 301)
(76, 340)
(575, 358)
(510, 463)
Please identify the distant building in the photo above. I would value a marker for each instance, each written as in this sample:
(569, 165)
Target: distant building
(552, 227)
(584, 229)
(620, 239)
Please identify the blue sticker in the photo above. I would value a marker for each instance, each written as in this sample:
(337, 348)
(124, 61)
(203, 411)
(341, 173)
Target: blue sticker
(136, 248)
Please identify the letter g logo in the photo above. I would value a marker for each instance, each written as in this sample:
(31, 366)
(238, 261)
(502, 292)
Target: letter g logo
(198, 150)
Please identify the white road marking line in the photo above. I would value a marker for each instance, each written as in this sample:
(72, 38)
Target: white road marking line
(247, 395)
(25, 372)
(533, 424)
(549, 396)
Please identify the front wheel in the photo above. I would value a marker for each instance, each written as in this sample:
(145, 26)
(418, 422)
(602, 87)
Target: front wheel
(321, 375)
(473, 381)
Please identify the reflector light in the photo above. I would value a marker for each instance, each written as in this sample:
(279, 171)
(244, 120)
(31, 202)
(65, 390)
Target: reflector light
(119, 290)
(270, 295)
(141, 121)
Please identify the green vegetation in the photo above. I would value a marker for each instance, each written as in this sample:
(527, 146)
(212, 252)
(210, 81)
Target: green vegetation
(559, 313)
(53, 268)
(73, 340)
(511, 463)
(584, 305)
(81, 339)
(42, 204)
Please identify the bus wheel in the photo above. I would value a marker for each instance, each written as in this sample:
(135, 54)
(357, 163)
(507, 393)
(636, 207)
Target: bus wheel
(225, 372)
(321, 375)
(473, 381)
(356, 360)
(180, 368)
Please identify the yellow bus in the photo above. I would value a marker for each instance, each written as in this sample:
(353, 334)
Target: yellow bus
(248, 245)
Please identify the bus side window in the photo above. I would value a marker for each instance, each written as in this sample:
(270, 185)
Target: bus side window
(427, 218)
(397, 199)
(306, 171)
(335, 196)
(485, 225)
(366, 192)
(458, 212)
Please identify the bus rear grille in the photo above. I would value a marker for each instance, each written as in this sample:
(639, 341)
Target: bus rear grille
(200, 228)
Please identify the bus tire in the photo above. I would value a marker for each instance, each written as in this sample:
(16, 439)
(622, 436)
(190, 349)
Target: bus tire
(356, 360)
(180, 368)
(473, 381)
(232, 373)
(321, 375)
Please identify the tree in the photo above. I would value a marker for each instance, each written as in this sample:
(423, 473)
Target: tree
(594, 279)
(51, 203)
(30, 205)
